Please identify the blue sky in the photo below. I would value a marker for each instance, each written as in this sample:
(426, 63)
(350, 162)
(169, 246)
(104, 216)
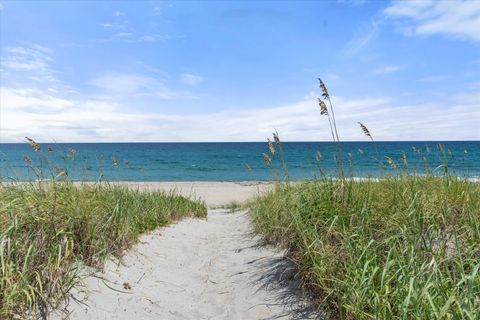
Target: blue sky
(236, 71)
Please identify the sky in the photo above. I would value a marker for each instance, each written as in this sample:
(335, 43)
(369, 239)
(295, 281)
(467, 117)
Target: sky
(147, 71)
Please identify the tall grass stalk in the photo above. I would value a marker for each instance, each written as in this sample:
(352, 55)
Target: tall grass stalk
(329, 112)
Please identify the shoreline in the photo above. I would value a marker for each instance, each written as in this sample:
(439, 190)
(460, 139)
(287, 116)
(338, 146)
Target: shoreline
(215, 193)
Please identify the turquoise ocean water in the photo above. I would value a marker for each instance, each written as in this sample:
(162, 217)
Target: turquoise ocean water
(232, 161)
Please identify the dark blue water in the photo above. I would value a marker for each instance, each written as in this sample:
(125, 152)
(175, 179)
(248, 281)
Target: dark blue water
(233, 161)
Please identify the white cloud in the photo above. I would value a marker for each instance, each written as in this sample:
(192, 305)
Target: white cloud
(332, 76)
(147, 38)
(353, 3)
(130, 37)
(34, 60)
(72, 120)
(123, 31)
(28, 99)
(457, 19)
(434, 78)
(387, 69)
(47, 112)
(191, 79)
(122, 34)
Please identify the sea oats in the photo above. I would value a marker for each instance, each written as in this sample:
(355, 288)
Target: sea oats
(27, 160)
(404, 158)
(323, 87)
(323, 107)
(391, 162)
(276, 138)
(35, 146)
(267, 159)
(324, 110)
(365, 130)
(271, 146)
(114, 161)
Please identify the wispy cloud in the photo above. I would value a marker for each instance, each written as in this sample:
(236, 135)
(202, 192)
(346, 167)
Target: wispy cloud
(130, 37)
(434, 78)
(331, 76)
(133, 85)
(111, 25)
(361, 38)
(457, 19)
(121, 30)
(353, 3)
(32, 99)
(387, 69)
(191, 79)
(123, 35)
(31, 62)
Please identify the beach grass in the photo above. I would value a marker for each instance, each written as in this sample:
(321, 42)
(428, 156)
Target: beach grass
(400, 246)
(392, 248)
(233, 206)
(49, 230)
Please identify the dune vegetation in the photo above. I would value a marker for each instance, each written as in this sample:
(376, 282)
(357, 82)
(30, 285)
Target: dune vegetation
(402, 246)
(396, 248)
(50, 230)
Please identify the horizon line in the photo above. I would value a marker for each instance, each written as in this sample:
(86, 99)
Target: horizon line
(286, 141)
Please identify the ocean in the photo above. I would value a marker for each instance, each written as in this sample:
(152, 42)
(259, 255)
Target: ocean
(233, 161)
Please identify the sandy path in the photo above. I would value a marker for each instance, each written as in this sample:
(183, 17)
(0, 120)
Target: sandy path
(195, 269)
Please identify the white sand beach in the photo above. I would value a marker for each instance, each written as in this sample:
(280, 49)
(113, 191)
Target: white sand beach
(210, 268)
(214, 193)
